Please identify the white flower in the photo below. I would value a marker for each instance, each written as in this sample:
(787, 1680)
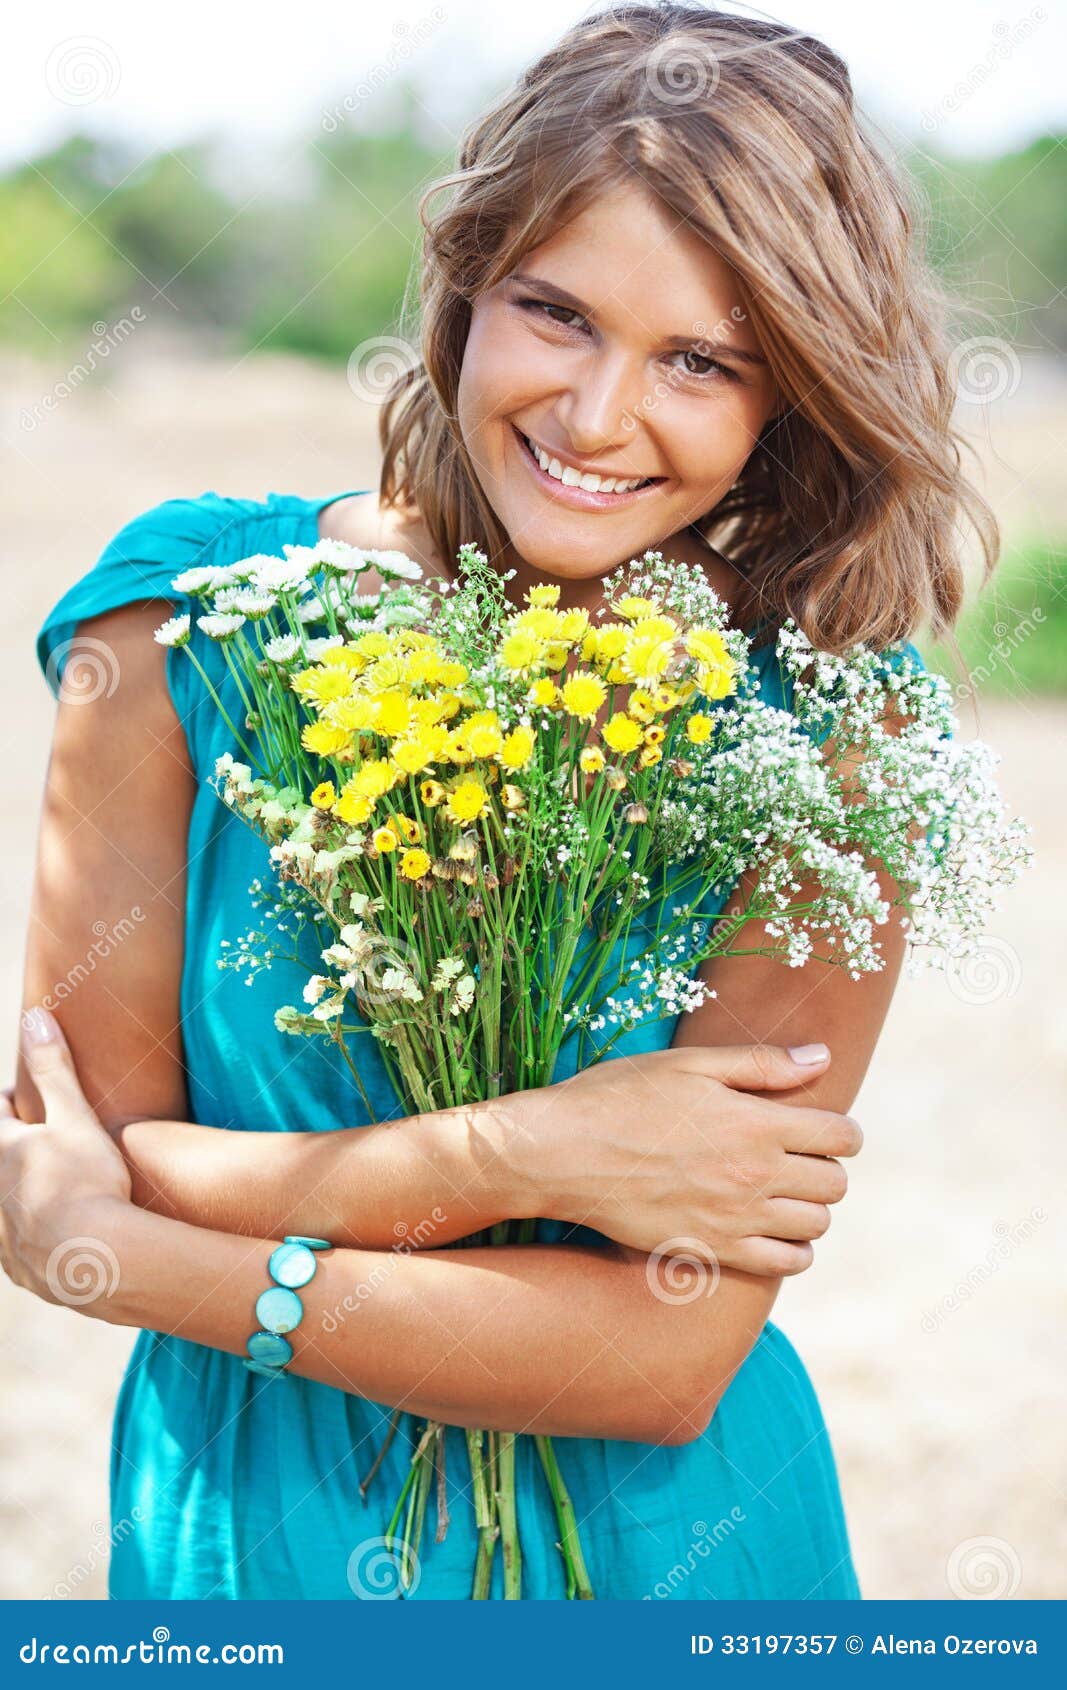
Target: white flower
(334, 554)
(284, 649)
(315, 987)
(203, 579)
(275, 574)
(394, 565)
(250, 603)
(173, 633)
(220, 627)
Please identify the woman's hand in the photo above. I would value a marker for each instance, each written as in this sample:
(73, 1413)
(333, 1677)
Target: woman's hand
(668, 1152)
(59, 1181)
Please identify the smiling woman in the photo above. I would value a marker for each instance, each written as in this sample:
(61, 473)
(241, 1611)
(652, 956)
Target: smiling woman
(670, 258)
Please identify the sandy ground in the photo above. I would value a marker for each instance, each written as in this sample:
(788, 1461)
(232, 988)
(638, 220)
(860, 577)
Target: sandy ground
(932, 1323)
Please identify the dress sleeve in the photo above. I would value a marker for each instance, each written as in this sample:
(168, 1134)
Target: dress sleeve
(138, 563)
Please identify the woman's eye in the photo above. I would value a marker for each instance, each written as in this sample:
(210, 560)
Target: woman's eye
(713, 371)
(542, 305)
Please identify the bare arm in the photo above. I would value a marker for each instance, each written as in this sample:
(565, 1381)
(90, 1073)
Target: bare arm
(560, 1339)
(549, 1338)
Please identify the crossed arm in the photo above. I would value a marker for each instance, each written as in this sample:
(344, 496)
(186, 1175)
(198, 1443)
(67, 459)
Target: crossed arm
(559, 1339)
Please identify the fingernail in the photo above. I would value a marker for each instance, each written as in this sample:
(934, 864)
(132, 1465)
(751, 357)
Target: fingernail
(38, 1027)
(808, 1053)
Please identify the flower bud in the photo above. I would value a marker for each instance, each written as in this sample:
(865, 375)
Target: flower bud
(634, 814)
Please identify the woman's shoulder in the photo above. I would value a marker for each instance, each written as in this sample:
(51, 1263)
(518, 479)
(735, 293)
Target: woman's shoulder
(142, 558)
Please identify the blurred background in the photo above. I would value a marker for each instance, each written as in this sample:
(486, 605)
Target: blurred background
(207, 235)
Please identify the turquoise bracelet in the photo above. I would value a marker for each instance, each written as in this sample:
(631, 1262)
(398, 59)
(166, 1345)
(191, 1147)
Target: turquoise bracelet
(278, 1308)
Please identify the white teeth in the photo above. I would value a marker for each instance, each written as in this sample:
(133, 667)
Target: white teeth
(571, 477)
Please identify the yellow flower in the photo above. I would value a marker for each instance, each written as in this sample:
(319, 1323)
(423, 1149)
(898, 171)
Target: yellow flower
(544, 693)
(353, 807)
(602, 645)
(718, 681)
(665, 697)
(707, 646)
(641, 705)
(512, 797)
(467, 801)
(543, 594)
(456, 749)
(647, 656)
(412, 755)
(432, 793)
(518, 748)
(573, 626)
(373, 778)
(591, 760)
(621, 733)
(698, 728)
(322, 685)
(324, 796)
(374, 644)
(583, 694)
(482, 733)
(650, 754)
(452, 674)
(325, 741)
(344, 657)
(384, 839)
(520, 652)
(393, 714)
(654, 736)
(663, 627)
(409, 831)
(414, 864)
(633, 608)
(541, 622)
(352, 714)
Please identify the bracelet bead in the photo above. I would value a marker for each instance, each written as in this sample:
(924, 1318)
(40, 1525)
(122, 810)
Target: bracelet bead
(278, 1309)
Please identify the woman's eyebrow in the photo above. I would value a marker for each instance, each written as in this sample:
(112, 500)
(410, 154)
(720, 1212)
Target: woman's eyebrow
(698, 343)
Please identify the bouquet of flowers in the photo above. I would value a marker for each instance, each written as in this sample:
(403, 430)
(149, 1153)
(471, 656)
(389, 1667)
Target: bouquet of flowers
(519, 826)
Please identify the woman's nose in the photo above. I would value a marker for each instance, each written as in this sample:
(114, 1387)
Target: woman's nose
(601, 409)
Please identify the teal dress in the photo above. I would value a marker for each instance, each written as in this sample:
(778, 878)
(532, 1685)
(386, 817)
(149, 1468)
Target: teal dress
(226, 1484)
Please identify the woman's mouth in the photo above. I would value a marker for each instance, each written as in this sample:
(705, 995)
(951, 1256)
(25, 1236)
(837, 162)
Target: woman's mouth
(570, 492)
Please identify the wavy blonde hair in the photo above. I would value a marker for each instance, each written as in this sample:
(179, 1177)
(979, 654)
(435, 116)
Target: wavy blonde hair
(847, 513)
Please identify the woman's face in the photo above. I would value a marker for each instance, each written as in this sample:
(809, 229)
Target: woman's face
(595, 370)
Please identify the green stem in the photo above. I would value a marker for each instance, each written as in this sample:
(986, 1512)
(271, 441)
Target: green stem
(509, 1525)
(569, 1540)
